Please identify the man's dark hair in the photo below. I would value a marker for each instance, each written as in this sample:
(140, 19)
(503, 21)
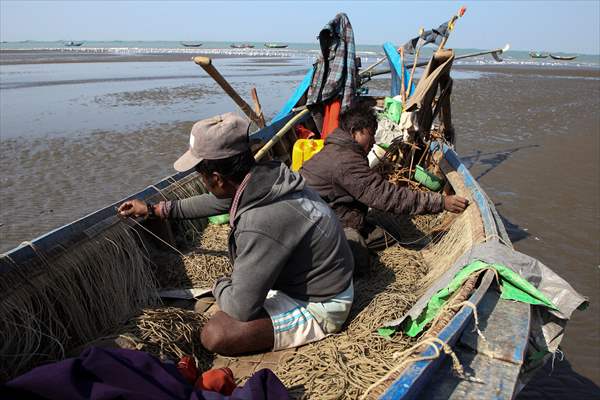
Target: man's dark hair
(357, 118)
(234, 168)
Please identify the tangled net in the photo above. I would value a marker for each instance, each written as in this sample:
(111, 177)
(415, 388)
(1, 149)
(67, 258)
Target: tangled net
(205, 262)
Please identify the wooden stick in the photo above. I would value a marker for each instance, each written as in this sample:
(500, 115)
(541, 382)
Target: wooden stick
(494, 52)
(460, 13)
(403, 88)
(414, 67)
(206, 64)
(370, 67)
(261, 153)
(257, 107)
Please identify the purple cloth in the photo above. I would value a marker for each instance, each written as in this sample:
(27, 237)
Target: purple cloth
(101, 374)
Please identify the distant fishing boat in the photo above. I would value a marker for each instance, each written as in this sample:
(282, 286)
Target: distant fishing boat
(73, 44)
(535, 54)
(566, 58)
(191, 44)
(241, 46)
(276, 45)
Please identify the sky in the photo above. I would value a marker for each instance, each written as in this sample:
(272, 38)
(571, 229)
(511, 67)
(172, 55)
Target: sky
(559, 26)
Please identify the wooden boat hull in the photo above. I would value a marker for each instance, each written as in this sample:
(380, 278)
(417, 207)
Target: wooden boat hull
(538, 55)
(415, 380)
(564, 58)
(506, 326)
(275, 46)
(191, 44)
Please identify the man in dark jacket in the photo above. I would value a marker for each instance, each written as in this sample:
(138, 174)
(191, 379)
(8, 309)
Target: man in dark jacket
(340, 173)
(292, 267)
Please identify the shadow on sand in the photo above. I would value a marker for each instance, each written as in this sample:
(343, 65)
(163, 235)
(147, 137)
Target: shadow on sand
(491, 160)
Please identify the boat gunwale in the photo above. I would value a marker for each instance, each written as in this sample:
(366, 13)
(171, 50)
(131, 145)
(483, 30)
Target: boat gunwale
(415, 376)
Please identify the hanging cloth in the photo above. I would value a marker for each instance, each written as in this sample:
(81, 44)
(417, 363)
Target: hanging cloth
(335, 71)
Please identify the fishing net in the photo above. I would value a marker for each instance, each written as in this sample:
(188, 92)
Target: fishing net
(48, 307)
(201, 266)
(168, 333)
(53, 303)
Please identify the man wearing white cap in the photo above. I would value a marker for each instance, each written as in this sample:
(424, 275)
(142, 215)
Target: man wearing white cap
(292, 267)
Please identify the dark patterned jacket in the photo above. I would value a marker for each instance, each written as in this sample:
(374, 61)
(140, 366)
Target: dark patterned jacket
(340, 173)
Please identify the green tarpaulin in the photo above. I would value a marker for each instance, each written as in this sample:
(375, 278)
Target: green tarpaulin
(513, 287)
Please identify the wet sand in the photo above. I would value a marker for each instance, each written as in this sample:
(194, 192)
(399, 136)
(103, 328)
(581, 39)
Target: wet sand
(529, 135)
(531, 139)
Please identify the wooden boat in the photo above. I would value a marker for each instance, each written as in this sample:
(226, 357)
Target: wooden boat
(275, 45)
(73, 44)
(191, 44)
(564, 58)
(535, 54)
(241, 46)
(109, 266)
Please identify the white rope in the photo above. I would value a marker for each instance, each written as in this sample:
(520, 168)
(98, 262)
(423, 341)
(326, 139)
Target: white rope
(150, 232)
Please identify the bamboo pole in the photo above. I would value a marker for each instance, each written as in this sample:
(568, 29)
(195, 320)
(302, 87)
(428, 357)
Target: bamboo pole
(206, 64)
(263, 151)
(414, 67)
(460, 13)
(402, 87)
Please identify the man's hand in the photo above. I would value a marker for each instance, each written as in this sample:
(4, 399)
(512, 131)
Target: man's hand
(455, 204)
(133, 208)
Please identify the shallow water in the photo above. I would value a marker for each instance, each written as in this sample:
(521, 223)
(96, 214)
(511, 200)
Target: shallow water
(76, 137)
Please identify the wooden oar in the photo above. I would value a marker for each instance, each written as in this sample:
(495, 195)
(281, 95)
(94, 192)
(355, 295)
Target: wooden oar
(495, 53)
(257, 107)
(370, 67)
(206, 64)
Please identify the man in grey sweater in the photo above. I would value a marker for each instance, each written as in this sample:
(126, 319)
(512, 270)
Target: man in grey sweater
(292, 266)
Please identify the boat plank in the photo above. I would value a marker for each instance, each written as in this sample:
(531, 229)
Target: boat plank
(493, 364)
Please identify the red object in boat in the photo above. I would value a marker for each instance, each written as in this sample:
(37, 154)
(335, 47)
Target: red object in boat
(217, 380)
(331, 117)
(303, 132)
(187, 368)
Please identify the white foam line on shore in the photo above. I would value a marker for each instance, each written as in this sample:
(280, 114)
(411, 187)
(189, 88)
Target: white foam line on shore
(146, 50)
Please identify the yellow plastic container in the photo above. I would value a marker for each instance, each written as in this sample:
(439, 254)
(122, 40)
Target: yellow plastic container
(303, 150)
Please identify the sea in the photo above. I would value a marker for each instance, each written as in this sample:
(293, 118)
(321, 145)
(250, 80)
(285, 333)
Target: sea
(83, 127)
(309, 50)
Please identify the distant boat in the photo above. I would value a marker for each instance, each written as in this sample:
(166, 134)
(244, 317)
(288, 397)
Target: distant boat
(535, 54)
(191, 44)
(73, 44)
(276, 45)
(563, 57)
(241, 46)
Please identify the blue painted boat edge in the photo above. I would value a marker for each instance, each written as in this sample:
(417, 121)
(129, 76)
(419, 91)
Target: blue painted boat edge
(411, 381)
(489, 222)
(409, 384)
